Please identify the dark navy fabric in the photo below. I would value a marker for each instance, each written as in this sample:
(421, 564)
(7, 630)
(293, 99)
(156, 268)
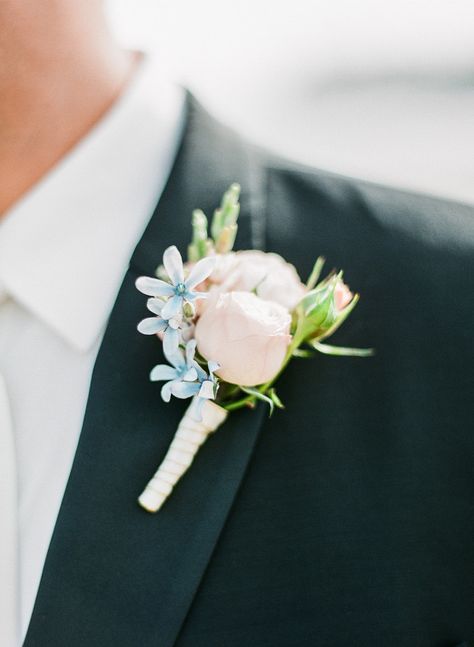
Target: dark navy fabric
(345, 520)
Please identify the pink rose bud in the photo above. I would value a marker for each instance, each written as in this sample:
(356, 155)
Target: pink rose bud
(323, 309)
(247, 336)
(342, 296)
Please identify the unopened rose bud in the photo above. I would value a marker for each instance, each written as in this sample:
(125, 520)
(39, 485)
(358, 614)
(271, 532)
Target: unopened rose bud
(323, 309)
(342, 296)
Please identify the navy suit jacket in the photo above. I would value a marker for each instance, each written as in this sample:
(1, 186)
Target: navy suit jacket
(347, 519)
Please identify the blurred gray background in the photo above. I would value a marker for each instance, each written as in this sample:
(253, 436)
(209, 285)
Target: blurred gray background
(378, 90)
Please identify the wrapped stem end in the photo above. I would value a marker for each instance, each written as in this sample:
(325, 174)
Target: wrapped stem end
(192, 432)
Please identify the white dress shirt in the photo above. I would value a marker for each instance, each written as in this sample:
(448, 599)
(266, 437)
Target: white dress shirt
(64, 249)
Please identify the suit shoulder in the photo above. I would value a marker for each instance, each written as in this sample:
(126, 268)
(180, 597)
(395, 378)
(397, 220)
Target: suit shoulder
(307, 194)
(301, 199)
(302, 202)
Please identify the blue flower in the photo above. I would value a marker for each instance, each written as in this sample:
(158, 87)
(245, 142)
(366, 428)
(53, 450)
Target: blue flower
(186, 378)
(170, 328)
(180, 290)
(183, 370)
(204, 388)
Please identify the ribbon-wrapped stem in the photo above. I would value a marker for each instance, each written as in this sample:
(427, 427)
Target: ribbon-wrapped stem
(199, 421)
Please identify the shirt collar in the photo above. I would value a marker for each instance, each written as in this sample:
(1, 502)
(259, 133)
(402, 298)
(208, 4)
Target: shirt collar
(65, 246)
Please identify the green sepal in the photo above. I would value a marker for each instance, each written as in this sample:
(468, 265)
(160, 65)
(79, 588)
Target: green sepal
(316, 311)
(341, 318)
(275, 398)
(341, 351)
(315, 273)
(260, 396)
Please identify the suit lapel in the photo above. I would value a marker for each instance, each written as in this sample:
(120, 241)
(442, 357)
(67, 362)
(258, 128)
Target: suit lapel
(115, 575)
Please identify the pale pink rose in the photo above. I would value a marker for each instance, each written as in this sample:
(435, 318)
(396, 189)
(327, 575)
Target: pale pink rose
(226, 264)
(342, 296)
(246, 335)
(269, 275)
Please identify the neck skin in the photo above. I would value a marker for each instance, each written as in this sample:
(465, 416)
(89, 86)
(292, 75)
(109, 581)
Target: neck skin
(60, 71)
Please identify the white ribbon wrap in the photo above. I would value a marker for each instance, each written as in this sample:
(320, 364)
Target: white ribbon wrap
(192, 432)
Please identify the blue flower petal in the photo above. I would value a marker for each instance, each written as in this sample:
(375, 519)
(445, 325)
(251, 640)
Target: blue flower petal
(151, 325)
(192, 295)
(176, 359)
(213, 367)
(166, 391)
(155, 305)
(202, 375)
(200, 272)
(190, 350)
(207, 390)
(171, 341)
(173, 265)
(154, 287)
(172, 307)
(190, 375)
(185, 390)
(163, 372)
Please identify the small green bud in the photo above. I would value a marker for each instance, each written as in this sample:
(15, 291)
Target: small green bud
(317, 309)
(189, 310)
(199, 222)
(201, 245)
(226, 239)
(225, 219)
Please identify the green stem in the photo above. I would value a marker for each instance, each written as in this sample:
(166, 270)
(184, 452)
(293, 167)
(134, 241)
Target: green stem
(233, 406)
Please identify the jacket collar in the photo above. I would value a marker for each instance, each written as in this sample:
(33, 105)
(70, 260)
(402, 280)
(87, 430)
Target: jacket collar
(114, 574)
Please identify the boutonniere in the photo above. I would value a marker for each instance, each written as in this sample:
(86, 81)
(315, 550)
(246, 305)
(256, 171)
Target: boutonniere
(230, 322)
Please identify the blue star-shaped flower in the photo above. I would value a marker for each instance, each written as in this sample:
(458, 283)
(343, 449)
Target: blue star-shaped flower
(204, 388)
(186, 378)
(180, 290)
(183, 370)
(170, 328)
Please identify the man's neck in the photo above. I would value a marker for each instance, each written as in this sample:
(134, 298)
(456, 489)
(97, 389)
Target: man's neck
(50, 99)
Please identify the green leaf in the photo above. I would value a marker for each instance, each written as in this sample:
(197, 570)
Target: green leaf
(259, 396)
(316, 273)
(341, 351)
